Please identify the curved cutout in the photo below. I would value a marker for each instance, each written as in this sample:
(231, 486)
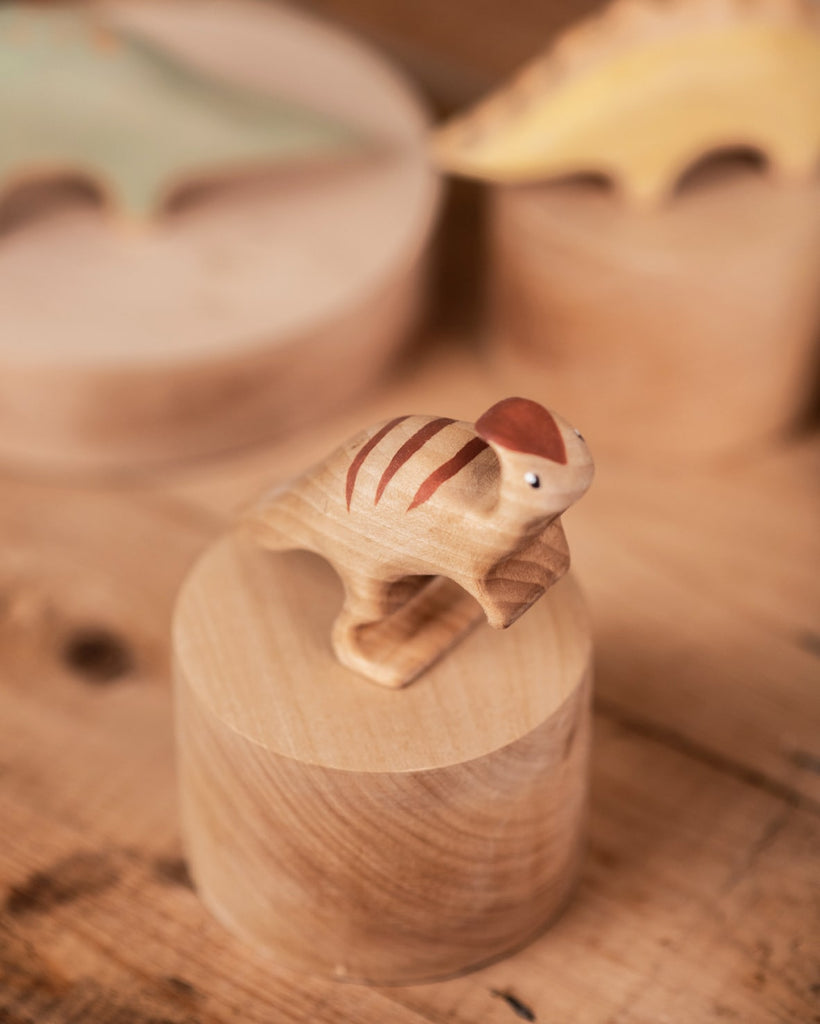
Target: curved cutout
(41, 197)
(396, 649)
(721, 165)
(588, 182)
(403, 590)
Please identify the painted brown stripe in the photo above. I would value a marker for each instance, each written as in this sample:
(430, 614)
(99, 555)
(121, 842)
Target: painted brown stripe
(448, 469)
(362, 454)
(409, 449)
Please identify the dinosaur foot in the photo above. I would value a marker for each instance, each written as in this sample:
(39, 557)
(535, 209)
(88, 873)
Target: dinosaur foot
(396, 649)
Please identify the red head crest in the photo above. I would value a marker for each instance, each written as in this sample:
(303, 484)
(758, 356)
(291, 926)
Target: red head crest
(522, 425)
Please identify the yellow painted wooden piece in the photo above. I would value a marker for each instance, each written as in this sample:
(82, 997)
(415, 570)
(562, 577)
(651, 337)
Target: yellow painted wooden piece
(644, 92)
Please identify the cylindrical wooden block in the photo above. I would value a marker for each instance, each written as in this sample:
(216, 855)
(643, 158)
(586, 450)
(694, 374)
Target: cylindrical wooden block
(370, 834)
(688, 330)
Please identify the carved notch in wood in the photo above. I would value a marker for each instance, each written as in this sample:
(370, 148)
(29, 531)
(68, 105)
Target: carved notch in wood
(432, 523)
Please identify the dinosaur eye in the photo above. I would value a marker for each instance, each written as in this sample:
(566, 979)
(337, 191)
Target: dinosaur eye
(578, 434)
(533, 479)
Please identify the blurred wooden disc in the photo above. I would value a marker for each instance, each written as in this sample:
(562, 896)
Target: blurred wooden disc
(252, 308)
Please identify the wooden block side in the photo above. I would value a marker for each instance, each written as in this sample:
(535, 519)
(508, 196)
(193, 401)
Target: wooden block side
(384, 877)
(115, 417)
(688, 331)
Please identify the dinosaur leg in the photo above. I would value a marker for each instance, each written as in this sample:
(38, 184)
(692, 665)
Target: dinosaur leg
(515, 584)
(391, 631)
(366, 603)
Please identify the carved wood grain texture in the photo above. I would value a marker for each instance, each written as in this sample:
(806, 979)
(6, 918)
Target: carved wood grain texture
(695, 898)
(404, 509)
(695, 901)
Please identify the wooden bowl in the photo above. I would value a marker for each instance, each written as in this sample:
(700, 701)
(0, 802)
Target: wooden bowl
(249, 311)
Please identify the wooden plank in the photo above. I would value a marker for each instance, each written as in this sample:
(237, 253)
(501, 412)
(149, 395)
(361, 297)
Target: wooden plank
(705, 599)
(694, 895)
(97, 919)
(694, 899)
(113, 933)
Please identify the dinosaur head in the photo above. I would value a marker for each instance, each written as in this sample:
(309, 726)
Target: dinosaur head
(545, 463)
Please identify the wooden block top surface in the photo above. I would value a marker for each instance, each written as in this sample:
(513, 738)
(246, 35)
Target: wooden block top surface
(252, 642)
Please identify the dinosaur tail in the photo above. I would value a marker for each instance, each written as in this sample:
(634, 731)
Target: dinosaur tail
(262, 521)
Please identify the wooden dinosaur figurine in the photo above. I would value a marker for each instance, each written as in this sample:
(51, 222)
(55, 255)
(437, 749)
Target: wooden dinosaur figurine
(643, 92)
(423, 514)
(80, 97)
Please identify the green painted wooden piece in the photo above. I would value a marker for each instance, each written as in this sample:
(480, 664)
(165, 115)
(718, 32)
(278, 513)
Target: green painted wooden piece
(78, 96)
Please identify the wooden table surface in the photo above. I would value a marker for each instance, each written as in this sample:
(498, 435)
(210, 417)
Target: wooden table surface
(698, 900)
(699, 896)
